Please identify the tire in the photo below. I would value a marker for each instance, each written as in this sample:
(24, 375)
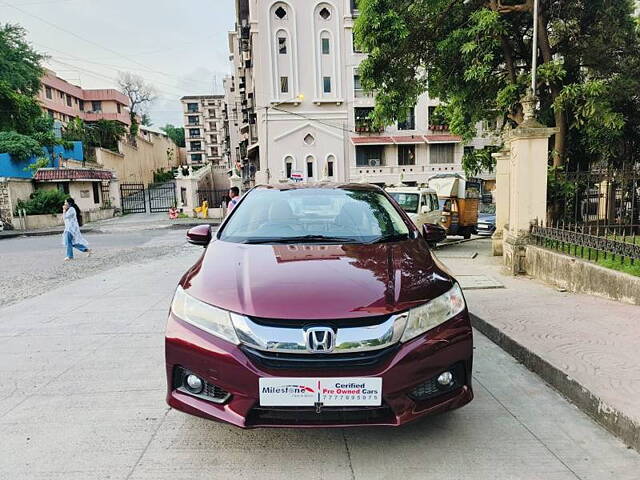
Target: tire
(467, 234)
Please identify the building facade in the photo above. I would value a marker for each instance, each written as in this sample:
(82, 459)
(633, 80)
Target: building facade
(299, 64)
(65, 101)
(204, 120)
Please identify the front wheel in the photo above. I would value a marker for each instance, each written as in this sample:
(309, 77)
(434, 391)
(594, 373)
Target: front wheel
(467, 234)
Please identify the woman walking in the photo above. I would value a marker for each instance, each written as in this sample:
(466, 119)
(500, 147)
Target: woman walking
(72, 238)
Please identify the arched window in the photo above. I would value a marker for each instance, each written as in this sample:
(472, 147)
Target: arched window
(310, 167)
(289, 163)
(331, 166)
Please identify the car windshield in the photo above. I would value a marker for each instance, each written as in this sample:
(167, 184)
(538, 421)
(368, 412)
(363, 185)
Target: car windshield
(315, 215)
(408, 201)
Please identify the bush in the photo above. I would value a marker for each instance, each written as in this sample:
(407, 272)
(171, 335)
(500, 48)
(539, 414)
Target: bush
(160, 176)
(43, 202)
(20, 147)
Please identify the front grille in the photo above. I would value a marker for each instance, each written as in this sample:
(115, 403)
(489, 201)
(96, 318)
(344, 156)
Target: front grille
(431, 388)
(319, 361)
(334, 323)
(265, 416)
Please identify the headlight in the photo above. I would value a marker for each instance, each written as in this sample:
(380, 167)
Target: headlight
(432, 314)
(206, 317)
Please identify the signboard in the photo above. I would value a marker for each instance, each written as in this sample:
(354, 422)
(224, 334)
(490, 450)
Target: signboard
(296, 176)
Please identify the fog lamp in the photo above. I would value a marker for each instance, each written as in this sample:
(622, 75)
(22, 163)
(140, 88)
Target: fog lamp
(445, 379)
(194, 383)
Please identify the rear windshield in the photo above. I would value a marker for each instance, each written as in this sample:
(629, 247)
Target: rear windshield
(346, 216)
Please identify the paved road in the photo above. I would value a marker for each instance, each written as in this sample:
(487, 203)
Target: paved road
(33, 265)
(82, 397)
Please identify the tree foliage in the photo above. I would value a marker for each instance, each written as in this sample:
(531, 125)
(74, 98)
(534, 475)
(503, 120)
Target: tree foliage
(20, 147)
(475, 55)
(100, 134)
(174, 133)
(43, 202)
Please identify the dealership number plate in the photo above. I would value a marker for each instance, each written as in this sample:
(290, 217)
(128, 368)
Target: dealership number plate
(328, 392)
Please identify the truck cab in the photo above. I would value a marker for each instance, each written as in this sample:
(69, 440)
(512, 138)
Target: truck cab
(421, 204)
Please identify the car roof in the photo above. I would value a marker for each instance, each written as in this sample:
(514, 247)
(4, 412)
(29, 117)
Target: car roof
(320, 185)
(410, 190)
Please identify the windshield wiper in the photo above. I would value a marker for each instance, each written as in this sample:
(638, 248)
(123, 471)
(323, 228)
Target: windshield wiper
(301, 239)
(391, 237)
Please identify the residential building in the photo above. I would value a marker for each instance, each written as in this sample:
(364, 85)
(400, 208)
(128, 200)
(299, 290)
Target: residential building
(204, 128)
(65, 101)
(311, 111)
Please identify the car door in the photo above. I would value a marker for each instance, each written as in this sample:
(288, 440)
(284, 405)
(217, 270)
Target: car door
(424, 210)
(435, 213)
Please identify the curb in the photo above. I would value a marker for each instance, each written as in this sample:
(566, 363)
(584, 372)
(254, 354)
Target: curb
(615, 421)
(21, 233)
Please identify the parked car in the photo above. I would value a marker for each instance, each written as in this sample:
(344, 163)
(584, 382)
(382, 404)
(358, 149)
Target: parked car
(423, 208)
(486, 224)
(337, 318)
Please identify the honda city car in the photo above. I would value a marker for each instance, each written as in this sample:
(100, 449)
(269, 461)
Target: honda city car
(317, 305)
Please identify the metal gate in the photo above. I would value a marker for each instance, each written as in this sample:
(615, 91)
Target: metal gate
(162, 196)
(133, 198)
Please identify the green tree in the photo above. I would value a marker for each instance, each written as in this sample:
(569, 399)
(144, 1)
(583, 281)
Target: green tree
(20, 147)
(100, 134)
(475, 55)
(20, 74)
(174, 133)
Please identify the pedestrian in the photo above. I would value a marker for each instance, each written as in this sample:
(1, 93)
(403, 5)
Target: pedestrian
(234, 195)
(72, 237)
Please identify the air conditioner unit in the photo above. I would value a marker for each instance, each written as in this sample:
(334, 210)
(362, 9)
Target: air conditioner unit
(374, 162)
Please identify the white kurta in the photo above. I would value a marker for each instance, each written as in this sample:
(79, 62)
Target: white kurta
(71, 225)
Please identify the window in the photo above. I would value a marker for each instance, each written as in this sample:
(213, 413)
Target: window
(96, 192)
(410, 122)
(326, 82)
(64, 187)
(442, 153)
(288, 166)
(330, 168)
(281, 13)
(48, 93)
(119, 107)
(69, 103)
(369, 155)
(268, 214)
(282, 45)
(192, 107)
(406, 154)
(357, 85)
(81, 105)
(96, 106)
(309, 167)
(196, 157)
(309, 139)
(194, 132)
(195, 146)
(325, 46)
(62, 95)
(325, 14)
(408, 201)
(193, 120)
(284, 84)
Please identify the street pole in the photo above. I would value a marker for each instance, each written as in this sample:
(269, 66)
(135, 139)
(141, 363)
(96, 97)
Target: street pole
(534, 61)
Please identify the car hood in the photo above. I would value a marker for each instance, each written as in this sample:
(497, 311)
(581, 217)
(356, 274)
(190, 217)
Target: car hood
(316, 281)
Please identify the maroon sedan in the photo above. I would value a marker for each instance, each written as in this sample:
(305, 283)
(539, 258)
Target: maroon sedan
(317, 305)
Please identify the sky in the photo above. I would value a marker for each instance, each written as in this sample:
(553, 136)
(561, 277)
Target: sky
(179, 47)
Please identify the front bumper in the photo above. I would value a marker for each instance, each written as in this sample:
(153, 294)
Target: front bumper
(402, 370)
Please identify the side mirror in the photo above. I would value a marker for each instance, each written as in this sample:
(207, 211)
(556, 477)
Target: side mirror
(425, 209)
(433, 234)
(200, 235)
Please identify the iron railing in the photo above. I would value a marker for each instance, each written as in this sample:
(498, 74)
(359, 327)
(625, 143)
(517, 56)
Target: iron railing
(215, 198)
(593, 242)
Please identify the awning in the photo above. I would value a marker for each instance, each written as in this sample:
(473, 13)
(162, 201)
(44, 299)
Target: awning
(71, 174)
(372, 140)
(409, 140)
(442, 139)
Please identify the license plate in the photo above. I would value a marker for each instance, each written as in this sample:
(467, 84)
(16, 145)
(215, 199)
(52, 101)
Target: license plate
(328, 392)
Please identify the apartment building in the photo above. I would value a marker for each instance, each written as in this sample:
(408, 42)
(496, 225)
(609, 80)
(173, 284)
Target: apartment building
(204, 119)
(311, 111)
(65, 101)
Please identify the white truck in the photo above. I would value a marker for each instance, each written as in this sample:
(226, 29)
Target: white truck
(421, 204)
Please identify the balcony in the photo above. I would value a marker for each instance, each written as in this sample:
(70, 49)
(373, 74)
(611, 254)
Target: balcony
(438, 128)
(363, 126)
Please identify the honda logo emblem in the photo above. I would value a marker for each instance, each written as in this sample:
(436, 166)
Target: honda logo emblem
(320, 339)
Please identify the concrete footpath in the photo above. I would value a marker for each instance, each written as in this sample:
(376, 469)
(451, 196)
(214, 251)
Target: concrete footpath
(128, 223)
(586, 347)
